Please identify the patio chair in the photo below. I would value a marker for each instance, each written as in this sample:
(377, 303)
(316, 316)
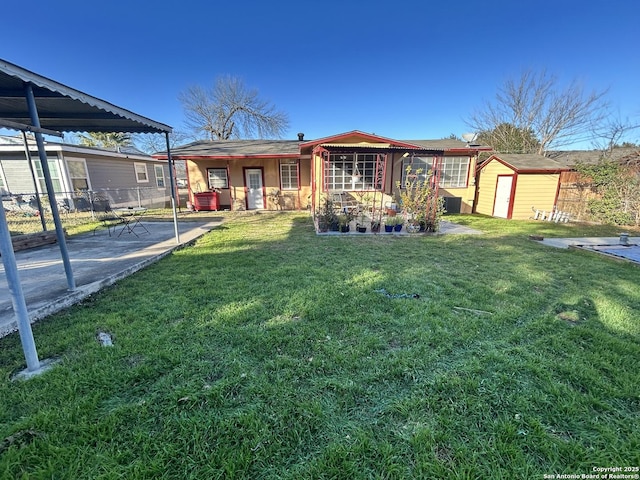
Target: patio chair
(108, 218)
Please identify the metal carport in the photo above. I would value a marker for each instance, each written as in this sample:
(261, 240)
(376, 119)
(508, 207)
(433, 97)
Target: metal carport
(33, 103)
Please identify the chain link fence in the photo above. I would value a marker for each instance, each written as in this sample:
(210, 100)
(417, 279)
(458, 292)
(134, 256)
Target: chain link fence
(30, 212)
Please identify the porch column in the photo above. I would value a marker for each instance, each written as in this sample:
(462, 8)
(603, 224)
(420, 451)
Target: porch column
(35, 120)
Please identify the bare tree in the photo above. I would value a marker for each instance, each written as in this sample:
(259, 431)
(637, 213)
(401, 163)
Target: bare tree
(536, 103)
(230, 110)
(152, 142)
(612, 134)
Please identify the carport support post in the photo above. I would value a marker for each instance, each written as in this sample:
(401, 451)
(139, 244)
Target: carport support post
(17, 295)
(31, 102)
(173, 189)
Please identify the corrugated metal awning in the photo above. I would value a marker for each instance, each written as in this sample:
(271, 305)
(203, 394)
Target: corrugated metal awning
(63, 109)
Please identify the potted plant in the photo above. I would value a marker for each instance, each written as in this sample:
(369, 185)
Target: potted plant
(375, 226)
(398, 226)
(344, 219)
(389, 223)
(326, 216)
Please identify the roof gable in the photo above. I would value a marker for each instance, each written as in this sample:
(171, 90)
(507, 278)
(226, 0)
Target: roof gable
(356, 137)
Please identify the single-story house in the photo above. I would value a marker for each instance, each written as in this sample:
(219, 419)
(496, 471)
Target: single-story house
(125, 176)
(512, 185)
(295, 174)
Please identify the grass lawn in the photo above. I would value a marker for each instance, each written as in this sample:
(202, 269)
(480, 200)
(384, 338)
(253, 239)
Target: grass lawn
(267, 352)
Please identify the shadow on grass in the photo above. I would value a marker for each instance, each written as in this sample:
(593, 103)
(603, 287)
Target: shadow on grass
(267, 351)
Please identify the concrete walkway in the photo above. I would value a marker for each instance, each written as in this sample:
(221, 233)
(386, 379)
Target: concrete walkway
(586, 241)
(96, 260)
(609, 246)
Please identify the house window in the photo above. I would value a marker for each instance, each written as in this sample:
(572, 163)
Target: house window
(159, 176)
(141, 172)
(55, 175)
(454, 171)
(289, 176)
(217, 178)
(415, 164)
(78, 175)
(350, 171)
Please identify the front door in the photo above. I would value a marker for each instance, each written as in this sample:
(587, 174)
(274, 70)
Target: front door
(503, 196)
(255, 195)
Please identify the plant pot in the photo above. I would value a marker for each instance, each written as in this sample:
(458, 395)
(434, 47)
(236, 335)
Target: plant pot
(361, 229)
(413, 228)
(397, 228)
(375, 227)
(391, 213)
(343, 228)
(388, 228)
(334, 227)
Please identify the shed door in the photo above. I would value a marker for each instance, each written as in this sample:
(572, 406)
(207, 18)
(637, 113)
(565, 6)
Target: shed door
(255, 196)
(503, 196)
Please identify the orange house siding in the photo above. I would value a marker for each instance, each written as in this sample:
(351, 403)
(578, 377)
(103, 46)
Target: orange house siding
(235, 195)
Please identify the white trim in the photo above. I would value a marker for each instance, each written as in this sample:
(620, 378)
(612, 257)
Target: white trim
(146, 172)
(155, 173)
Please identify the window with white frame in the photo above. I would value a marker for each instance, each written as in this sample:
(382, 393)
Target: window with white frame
(217, 178)
(351, 171)
(454, 171)
(289, 176)
(78, 175)
(420, 166)
(55, 175)
(159, 175)
(141, 172)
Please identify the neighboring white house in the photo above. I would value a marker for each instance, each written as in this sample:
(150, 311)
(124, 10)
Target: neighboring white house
(126, 177)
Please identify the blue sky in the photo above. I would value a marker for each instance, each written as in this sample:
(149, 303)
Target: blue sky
(406, 69)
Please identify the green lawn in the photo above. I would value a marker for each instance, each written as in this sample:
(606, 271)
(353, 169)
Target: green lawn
(267, 352)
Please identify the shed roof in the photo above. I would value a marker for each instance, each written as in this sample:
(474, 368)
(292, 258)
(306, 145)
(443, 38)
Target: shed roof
(62, 108)
(528, 162)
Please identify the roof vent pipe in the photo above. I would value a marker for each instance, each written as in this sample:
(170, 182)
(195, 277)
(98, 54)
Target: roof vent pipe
(301, 137)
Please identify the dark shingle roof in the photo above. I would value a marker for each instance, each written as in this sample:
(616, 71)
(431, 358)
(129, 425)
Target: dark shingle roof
(252, 148)
(238, 148)
(529, 161)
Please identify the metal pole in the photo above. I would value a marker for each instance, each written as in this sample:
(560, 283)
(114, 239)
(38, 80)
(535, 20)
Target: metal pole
(17, 296)
(31, 102)
(173, 189)
(35, 182)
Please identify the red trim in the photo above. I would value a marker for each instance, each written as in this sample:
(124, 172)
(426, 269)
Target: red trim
(511, 194)
(368, 136)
